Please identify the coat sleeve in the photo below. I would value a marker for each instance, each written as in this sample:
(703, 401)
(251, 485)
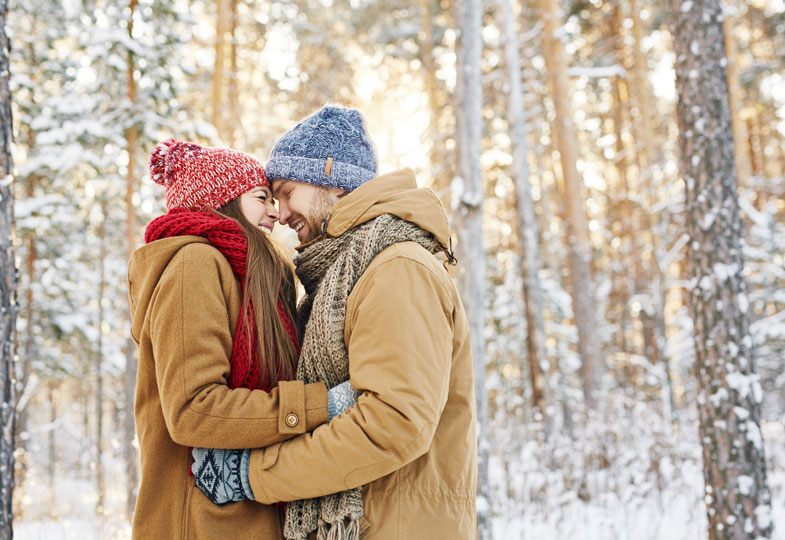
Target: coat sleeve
(192, 343)
(400, 350)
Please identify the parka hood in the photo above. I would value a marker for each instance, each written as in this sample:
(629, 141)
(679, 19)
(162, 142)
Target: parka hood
(144, 271)
(394, 193)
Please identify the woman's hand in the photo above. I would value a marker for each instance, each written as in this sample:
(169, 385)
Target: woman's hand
(222, 475)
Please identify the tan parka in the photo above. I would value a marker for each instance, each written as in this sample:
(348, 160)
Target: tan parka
(411, 438)
(185, 302)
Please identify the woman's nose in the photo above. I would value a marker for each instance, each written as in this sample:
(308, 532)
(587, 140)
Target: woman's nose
(272, 213)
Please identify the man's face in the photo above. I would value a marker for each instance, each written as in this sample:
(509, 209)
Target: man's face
(304, 206)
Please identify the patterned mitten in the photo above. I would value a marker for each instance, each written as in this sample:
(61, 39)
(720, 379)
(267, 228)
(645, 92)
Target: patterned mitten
(222, 474)
(340, 398)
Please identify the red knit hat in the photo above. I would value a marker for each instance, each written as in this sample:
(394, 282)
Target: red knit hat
(197, 178)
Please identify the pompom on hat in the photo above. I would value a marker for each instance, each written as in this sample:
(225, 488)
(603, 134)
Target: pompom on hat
(330, 148)
(198, 178)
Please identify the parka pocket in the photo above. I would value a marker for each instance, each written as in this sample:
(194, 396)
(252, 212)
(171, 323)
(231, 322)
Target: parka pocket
(244, 519)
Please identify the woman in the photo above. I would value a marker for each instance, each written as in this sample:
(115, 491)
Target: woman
(212, 304)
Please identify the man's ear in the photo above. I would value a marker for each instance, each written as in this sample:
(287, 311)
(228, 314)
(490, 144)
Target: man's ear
(342, 193)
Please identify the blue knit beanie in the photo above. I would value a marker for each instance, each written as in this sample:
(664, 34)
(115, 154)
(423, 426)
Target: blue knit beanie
(330, 148)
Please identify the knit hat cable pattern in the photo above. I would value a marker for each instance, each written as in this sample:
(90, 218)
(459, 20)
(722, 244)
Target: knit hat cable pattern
(227, 236)
(198, 178)
(330, 148)
(329, 270)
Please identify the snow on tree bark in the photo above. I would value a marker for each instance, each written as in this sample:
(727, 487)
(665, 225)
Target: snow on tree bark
(8, 306)
(467, 200)
(729, 393)
(526, 222)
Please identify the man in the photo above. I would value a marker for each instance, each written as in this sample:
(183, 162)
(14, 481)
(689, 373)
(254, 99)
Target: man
(380, 310)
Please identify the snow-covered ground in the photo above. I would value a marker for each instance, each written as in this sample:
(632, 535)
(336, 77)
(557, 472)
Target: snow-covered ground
(627, 502)
(530, 501)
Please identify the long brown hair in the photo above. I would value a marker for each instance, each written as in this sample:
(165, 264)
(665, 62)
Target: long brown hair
(269, 276)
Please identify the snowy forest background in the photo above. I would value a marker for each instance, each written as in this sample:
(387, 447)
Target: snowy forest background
(590, 398)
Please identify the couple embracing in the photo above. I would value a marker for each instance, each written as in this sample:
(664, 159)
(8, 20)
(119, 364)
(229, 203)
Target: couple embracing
(350, 415)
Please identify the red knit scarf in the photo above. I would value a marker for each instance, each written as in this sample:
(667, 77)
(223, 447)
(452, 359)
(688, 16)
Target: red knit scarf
(226, 236)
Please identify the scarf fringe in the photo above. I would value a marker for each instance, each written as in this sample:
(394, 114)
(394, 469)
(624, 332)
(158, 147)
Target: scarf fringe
(339, 530)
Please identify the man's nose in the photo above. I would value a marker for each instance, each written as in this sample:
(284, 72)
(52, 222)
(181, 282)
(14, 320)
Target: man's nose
(272, 213)
(283, 213)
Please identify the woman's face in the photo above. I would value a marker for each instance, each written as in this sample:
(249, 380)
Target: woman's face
(258, 207)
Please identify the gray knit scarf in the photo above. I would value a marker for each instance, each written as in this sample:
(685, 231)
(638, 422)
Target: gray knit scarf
(329, 270)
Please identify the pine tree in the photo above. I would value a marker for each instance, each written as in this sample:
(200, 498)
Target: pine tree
(737, 493)
(527, 227)
(578, 241)
(467, 201)
(8, 306)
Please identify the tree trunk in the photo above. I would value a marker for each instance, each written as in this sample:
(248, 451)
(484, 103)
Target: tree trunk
(526, 221)
(578, 242)
(622, 216)
(52, 449)
(99, 357)
(22, 435)
(8, 304)
(439, 163)
(129, 429)
(729, 393)
(218, 68)
(468, 220)
(641, 84)
(650, 282)
(735, 101)
(755, 155)
(233, 119)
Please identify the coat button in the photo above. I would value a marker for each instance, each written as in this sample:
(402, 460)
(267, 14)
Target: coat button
(292, 420)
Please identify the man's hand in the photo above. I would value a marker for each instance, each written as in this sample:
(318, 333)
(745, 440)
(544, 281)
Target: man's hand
(222, 474)
(340, 398)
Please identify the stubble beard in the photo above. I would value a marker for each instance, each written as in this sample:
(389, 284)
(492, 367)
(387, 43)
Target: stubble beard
(321, 205)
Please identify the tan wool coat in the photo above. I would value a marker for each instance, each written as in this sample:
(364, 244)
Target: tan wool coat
(185, 303)
(411, 438)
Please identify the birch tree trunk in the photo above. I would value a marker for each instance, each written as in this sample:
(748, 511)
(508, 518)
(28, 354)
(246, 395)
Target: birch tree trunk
(129, 429)
(468, 220)
(526, 221)
(8, 305)
(729, 393)
(578, 242)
